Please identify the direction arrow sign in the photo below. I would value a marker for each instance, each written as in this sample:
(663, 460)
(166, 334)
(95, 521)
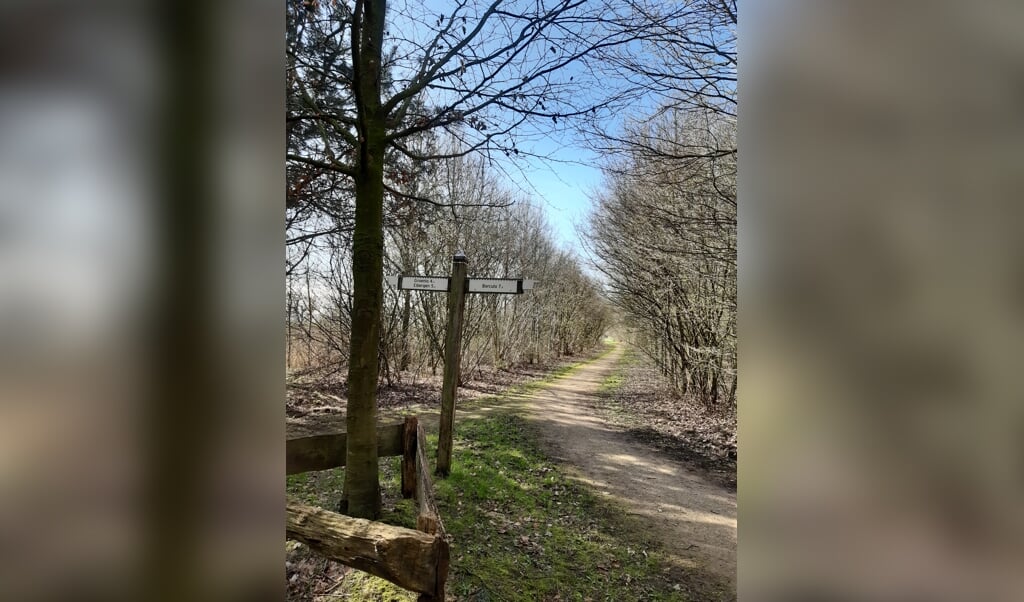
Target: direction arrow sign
(508, 286)
(456, 305)
(420, 283)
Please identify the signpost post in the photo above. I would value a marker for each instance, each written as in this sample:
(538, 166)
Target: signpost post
(456, 286)
(452, 357)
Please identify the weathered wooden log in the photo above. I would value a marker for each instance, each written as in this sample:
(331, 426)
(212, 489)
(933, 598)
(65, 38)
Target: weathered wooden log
(410, 559)
(321, 452)
(409, 457)
(428, 519)
(443, 560)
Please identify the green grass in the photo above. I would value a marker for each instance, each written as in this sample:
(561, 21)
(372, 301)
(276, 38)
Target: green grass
(520, 528)
(618, 375)
(323, 488)
(613, 382)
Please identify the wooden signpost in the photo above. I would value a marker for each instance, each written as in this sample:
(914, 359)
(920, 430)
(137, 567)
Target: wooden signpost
(456, 286)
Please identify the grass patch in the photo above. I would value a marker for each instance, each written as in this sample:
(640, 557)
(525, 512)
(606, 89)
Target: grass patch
(522, 530)
(618, 374)
(323, 488)
(364, 586)
(613, 382)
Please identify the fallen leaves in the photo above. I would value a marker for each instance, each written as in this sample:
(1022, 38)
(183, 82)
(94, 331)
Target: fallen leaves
(316, 398)
(640, 399)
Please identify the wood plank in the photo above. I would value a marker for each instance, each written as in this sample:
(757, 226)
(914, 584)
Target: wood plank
(410, 559)
(428, 519)
(409, 457)
(321, 452)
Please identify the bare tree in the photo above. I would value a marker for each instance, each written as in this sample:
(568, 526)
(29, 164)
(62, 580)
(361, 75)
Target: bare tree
(669, 202)
(664, 234)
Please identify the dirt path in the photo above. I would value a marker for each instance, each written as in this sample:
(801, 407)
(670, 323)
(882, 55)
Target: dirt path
(693, 518)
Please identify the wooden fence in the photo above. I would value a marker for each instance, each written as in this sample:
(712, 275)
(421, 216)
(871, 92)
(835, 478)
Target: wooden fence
(416, 560)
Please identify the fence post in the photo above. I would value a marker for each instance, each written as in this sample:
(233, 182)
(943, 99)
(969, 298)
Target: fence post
(409, 457)
(452, 352)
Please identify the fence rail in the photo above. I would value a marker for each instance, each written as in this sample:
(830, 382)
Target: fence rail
(416, 560)
(321, 452)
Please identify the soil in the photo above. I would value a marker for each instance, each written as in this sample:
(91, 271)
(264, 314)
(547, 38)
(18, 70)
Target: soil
(691, 512)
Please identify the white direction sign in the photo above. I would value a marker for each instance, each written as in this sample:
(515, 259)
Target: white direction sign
(420, 283)
(508, 286)
(495, 285)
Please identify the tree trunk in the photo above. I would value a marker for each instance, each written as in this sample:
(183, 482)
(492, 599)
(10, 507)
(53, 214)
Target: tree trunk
(495, 340)
(534, 355)
(406, 346)
(713, 389)
(289, 312)
(732, 390)
(309, 322)
(362, 486)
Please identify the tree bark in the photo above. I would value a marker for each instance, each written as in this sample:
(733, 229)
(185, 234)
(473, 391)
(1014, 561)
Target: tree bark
(362, 485)
(406, 347)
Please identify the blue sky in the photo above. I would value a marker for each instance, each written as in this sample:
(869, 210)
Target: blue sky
(564, 196)
(562, 188)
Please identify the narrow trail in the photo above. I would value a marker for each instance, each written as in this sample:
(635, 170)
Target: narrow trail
(693, 518)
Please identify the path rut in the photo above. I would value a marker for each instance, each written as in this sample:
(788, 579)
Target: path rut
(693, 518)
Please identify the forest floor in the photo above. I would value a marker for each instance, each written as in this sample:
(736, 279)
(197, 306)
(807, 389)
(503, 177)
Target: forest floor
(635, 397)
(318, 406)
(591, 483)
